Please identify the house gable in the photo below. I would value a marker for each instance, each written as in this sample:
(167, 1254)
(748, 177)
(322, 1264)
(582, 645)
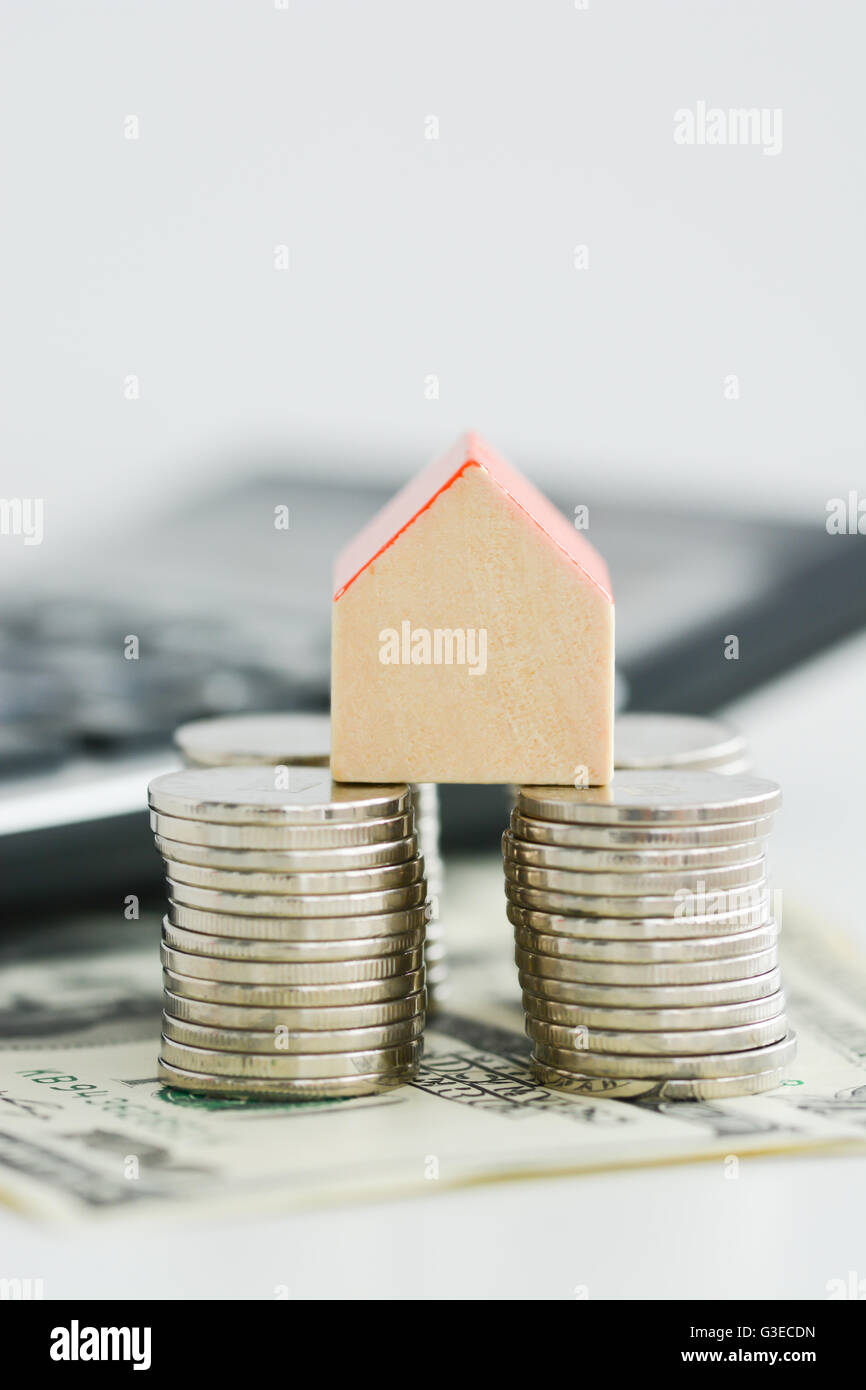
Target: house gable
(424, 490)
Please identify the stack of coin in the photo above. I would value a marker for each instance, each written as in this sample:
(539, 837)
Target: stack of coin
(293, 944)
(644, 941)
(644, 742)
(297, 739)
(426, 799)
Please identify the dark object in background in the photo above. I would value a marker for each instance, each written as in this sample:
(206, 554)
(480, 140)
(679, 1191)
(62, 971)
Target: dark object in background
(231, 613)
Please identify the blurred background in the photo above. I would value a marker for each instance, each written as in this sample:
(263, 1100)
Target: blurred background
(262, 255)
(306, 126)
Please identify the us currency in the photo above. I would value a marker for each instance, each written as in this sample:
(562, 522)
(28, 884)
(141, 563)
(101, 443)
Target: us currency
(86, 1129)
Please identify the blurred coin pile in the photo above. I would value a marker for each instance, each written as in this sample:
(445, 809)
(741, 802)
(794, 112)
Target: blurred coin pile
(293, 740)
(644, 941)
(647, 741)
(293, 944)
(248, 740)
(425, 796)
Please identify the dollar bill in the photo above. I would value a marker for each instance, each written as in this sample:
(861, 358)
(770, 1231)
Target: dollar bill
(87, 1130)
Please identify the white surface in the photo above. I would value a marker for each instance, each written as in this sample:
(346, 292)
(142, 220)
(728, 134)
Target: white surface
(782, 1229)
(304, 126)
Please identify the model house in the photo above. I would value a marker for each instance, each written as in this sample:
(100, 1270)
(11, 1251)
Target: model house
(473, 636)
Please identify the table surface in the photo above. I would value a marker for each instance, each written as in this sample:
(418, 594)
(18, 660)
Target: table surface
(786, 1228)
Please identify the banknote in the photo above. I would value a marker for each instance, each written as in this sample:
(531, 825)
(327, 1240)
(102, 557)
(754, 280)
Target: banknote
(86, 1129)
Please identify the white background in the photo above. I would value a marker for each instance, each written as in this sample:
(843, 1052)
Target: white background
(306, 127)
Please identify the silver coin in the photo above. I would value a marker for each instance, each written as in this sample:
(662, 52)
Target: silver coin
(651, 741)
(288, 952)
(715, 1088)
(653, 996)
(375, 925)
(695, 1042)
(628, 885)
(688, 1068)
(292, 885)
(718, 903)
(285, 1089)
(331, 1019)
(307, 1066)
(280, 1041)
(283, 839)
(643, 952)
(257, 738)
(692, 797)
(639, 837)
(261, 905)
(637, 929)
(725, 1087)
(294, 996)
(654, 1020)
(605, 1087)
(698, 972)
(628, 861)
(290, 861)
(260, 972)
(256, 796)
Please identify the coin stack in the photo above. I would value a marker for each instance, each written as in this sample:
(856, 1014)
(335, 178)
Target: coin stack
(304, 740)
(644, 742)
(644, 941)
(426, 798)
(293, 944)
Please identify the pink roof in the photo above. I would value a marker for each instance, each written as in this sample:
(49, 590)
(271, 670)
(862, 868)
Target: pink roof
(421, 492)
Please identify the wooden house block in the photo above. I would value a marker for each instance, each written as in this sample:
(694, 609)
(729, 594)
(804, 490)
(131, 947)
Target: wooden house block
(472, 636)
